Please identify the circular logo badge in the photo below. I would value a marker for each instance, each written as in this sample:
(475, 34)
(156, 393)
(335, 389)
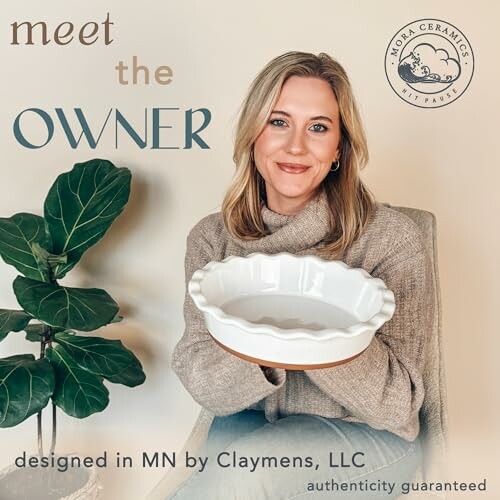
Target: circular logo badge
(429, 63)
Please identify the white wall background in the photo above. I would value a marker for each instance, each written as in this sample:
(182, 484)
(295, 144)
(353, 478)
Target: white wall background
(444, 160)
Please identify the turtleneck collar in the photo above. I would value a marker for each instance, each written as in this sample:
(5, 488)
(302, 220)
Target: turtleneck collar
(292, 233)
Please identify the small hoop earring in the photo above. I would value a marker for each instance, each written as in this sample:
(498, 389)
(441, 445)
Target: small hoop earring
(335, 166)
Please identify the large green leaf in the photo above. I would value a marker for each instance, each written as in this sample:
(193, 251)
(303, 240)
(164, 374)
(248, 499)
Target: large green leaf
(108, 358)
(81, 205)
(12, 321)
(26, 385)
(72, 308)
(18, 234)
(78, 392)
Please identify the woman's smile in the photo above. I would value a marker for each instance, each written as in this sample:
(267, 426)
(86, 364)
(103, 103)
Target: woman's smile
(293, 168)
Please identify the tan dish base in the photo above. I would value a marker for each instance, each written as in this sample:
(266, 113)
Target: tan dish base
(273, 364)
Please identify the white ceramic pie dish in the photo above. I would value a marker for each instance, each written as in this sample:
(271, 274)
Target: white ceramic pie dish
(292, 311)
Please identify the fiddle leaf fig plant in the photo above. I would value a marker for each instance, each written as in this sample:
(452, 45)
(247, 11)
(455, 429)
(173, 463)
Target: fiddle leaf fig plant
(80, 207)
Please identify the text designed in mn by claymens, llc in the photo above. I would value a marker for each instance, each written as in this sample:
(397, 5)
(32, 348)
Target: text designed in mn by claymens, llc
(326, 473)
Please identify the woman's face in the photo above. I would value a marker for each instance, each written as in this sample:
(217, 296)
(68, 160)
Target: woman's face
(295, 150)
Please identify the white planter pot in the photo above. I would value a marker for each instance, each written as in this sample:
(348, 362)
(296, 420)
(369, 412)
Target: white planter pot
(13, 483)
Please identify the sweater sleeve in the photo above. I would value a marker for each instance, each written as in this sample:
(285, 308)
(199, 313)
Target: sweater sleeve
(384, 385)
(216, 379)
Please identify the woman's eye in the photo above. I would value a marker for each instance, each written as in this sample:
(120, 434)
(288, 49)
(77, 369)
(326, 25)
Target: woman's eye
(277, 122)
(317, 127)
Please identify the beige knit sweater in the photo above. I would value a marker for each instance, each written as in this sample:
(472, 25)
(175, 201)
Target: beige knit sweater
(383, 387)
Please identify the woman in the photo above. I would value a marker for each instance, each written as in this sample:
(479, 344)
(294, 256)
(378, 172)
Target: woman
(299, 149)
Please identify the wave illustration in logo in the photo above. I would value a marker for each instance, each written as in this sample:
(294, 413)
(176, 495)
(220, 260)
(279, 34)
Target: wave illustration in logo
(426, 64)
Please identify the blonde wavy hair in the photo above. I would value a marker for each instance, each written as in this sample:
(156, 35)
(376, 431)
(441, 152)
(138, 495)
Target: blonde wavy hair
(351, 203)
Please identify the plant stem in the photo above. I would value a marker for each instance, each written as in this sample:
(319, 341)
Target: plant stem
(40, 439)
(39, 415)
(54, 408)
(54, 428)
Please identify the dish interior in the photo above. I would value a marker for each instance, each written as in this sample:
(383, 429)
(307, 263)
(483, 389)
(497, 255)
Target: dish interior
(289, 312)
(292, 293)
